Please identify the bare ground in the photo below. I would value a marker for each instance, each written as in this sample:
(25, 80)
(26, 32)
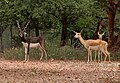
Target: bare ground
(59, 71)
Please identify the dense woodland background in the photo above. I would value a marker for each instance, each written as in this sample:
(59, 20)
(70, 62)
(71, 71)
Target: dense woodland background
(55, 20)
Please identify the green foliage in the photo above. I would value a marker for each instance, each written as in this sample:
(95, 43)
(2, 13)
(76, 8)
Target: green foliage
(54, 52)
(18, 54)
(14, 54)
(115, 56)
(104, 3)
(117, 24)
(79, 13)
(65, 53)
(16, 41)
(47, 15)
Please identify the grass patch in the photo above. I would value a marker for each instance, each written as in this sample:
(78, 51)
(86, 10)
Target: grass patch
(54, 51)
(115, 56)
(66, 53)
(18, 54)
(14, 54)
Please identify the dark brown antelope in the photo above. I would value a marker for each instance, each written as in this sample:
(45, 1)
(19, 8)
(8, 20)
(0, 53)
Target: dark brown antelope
(31, 42)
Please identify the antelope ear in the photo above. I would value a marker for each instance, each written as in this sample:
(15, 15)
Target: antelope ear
(74, 31)
(103, 33)
(98, 33)
(20, 34)
(81, 31)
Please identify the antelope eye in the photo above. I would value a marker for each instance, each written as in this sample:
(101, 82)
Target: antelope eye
(21, 34)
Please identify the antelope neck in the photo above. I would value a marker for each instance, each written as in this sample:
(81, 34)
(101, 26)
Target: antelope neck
(82, 40)
(23, 39)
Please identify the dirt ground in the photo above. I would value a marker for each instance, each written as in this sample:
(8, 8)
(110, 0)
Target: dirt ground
(58, 71)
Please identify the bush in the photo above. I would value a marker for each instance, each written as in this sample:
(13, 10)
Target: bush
(115, 56)
(14, 54)
(53, 51)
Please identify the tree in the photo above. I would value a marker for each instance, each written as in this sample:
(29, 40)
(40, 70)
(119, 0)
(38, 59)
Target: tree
(110, 6)
(65, 11)
(101, 23)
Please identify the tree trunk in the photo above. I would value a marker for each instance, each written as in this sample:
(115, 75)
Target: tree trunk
(37, 30)
(99, 26)
(117, 43)
(111, 9)
(34, 25)
(111, 12)
(1, 38)
(64, 31)
(1, 44)
(111, 18)
(11, 36)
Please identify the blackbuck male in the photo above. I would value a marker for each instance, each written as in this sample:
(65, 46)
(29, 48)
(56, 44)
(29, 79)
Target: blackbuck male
(91, 45)
(31, 42)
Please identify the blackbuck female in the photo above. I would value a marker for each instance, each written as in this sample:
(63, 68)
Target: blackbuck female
(93, 45)
(100, 35)
(99, 52)
(31, 42)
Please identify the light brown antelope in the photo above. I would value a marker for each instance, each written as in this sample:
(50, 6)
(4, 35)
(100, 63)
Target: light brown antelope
(99, 52)
(91, 45)
(31, 42)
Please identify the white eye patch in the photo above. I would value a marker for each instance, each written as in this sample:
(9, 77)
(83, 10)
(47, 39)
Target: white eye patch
(25, 34)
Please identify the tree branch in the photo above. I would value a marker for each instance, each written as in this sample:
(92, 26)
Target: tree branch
(53, 14)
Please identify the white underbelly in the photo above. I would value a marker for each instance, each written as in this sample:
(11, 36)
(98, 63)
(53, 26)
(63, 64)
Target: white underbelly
(32, 45)
(94, 47)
